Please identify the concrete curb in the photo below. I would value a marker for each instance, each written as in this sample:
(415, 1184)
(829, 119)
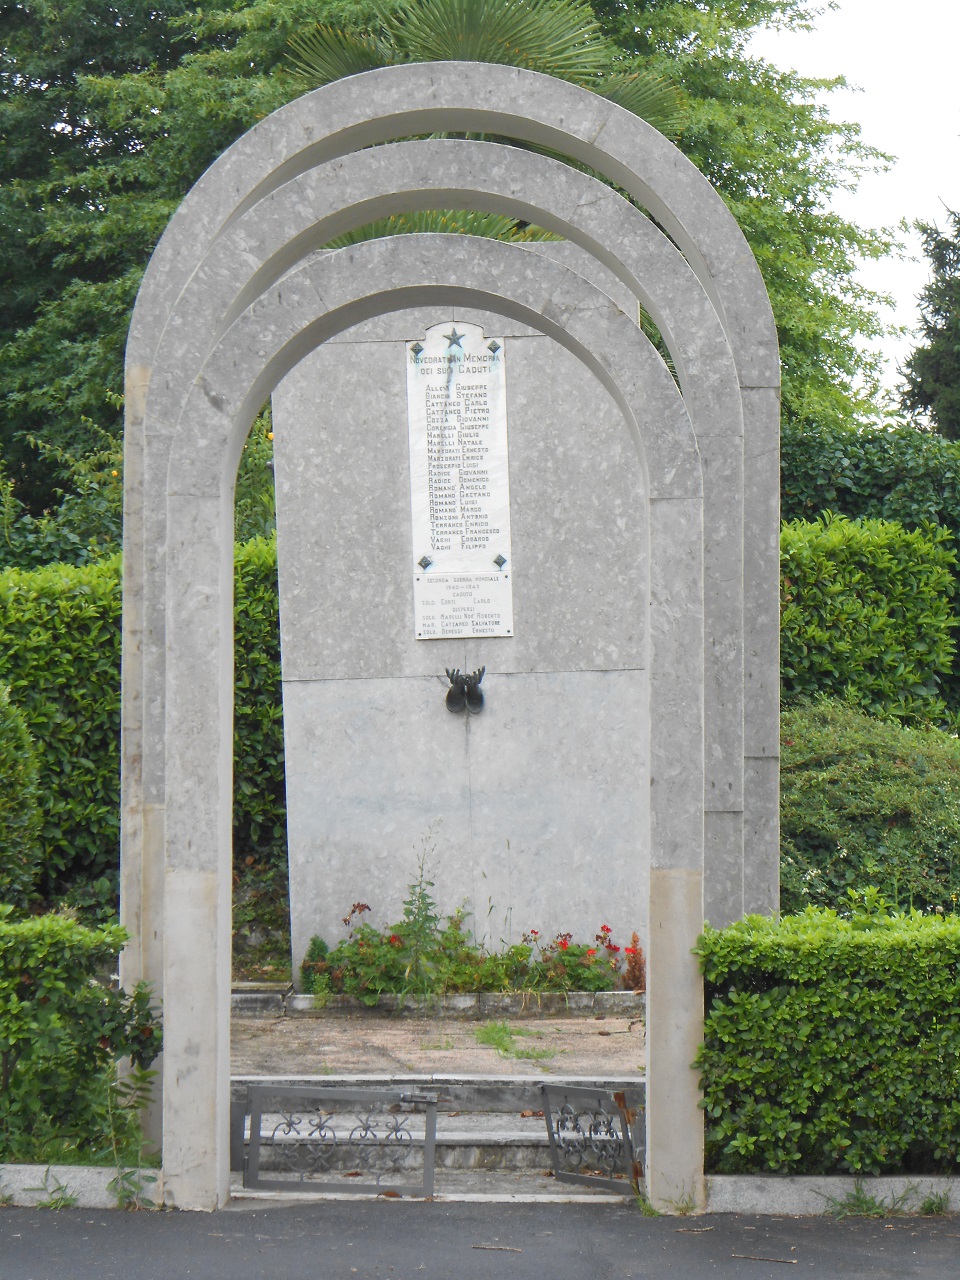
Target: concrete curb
(808, 1196)
(69, 1186)
(28, 1186)
(524, 1004)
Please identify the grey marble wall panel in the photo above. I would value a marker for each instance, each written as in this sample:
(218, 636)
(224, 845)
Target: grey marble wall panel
(343, 497)
(723, 868)
(538, 797)
(761, 832)
(532, 814)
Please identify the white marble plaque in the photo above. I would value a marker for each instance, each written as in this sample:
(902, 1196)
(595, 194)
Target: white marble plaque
(459, 484)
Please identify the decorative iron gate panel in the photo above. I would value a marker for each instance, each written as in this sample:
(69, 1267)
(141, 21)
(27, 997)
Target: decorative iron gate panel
(353, 1141)
(597, 1138)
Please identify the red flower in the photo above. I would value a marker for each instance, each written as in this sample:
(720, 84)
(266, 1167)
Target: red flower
(534, 933)
(592, 951)
(605, 928)
(563, 943)
(631, 951)
(396, 940)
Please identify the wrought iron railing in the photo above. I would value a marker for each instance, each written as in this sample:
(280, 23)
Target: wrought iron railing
(597, 1138)
(323, 1140)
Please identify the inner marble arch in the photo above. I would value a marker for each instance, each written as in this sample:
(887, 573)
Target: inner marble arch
(190, 400)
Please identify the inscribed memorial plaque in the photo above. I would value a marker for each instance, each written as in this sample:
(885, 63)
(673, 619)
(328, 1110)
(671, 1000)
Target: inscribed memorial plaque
(459, 484)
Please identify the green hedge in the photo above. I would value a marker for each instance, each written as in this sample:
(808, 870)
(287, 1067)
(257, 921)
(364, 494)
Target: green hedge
(61, 1032)
(60, 657)
(832, 1046)
(879, 473)
(867, 614)
(867, 802)
(20, 817)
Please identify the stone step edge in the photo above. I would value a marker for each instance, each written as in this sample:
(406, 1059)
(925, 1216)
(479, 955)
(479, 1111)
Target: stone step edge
(531, 1004)
(494, 1095)
(458, 1086)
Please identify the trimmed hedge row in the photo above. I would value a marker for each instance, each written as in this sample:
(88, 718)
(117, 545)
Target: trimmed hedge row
(867, 614)
(60, 657)
(867, 802)
(61, 1033)
(879, 473)
(832, 1046)
(20, 816)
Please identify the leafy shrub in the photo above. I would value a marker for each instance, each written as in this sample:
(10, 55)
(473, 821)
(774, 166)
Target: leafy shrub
(832, 1046)
(881, 473)
(421, 955)
(60, 655)
(878, 473)
(261, 895)
(61, 1034)
(867, 802)
(867, 614)
(259, 816)
(19, 811)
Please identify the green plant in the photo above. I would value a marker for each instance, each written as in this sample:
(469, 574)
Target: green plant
(867, 802)
(20, 816)
(55, 1196)
(867, 615)
(60, 656)
(424, 956)
(832, 1045)
(61, 1034)
(859, 1203)
(127, 1095)
(931, 372)
(642, 1202)
(556, 37)
(934, 1204)
(503, 1037)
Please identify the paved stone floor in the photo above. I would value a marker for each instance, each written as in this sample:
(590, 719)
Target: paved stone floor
(350, 1044)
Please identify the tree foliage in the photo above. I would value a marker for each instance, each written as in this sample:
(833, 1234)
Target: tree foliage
(932, 371)
(107, 118)
(771, 149)
(554, 37)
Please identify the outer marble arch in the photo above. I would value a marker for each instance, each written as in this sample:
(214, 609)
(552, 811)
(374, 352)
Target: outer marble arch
(186, 421)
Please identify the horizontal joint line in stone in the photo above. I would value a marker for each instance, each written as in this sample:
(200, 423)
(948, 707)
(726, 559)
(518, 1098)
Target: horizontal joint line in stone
(573, 671)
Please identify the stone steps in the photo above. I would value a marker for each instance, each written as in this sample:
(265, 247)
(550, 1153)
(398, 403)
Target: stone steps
(489, 1126)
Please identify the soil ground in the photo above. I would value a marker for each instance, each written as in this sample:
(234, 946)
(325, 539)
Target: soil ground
(372, 1044)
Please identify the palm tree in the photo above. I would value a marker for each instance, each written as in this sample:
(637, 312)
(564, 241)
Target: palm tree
(557, 37)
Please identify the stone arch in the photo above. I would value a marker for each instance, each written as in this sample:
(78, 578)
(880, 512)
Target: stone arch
(161, 804)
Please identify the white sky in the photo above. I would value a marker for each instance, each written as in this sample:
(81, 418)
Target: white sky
(905, 59)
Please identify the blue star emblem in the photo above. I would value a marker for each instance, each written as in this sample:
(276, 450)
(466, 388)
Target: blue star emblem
(455, 339)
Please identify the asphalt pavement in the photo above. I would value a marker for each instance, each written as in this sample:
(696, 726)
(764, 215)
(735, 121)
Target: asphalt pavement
(391, 1240)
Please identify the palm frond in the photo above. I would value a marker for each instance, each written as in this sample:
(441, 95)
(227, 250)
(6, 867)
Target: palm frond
(466, 222)
(324, 54)
(558, 37)
(649, 96)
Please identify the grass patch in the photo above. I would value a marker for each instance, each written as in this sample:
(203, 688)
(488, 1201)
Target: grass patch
(502, 1037)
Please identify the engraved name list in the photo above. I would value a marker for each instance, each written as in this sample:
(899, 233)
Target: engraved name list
(459, 484)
